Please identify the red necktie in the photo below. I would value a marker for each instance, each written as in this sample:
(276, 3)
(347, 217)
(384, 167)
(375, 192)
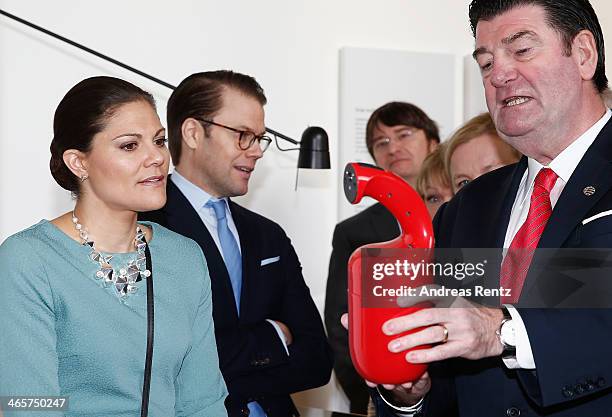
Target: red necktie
(516, 263)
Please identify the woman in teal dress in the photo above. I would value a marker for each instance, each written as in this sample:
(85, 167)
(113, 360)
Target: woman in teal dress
(73, 290)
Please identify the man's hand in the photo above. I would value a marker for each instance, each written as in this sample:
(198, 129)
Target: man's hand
(406, 394)
(286, 331)
(409, 393)
(470, 332)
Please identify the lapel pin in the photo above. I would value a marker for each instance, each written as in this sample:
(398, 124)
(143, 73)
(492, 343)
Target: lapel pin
(588, 191)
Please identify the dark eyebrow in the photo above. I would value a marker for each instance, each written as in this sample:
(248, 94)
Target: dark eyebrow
(138, 135)
(518, 35)
(479, 51)
(506, 41)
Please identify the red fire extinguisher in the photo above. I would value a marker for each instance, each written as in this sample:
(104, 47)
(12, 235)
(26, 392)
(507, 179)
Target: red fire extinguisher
(368, 343)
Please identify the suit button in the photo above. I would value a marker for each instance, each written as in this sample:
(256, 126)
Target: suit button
(567, 391)
(265, 361)
(601, 382)
(513, 412)
(590, 385)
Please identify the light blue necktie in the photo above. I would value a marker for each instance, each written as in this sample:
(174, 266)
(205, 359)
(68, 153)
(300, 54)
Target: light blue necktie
(229, 247)
(233, 263)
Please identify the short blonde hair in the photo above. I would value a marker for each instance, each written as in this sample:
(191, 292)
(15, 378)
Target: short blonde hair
(433, 169)
(476, 126)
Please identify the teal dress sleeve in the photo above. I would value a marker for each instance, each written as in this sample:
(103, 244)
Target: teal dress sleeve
(199, 395)
(28, 352)
(63, 333)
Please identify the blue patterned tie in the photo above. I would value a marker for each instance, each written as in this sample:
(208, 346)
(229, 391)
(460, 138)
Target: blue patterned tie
(229, 247)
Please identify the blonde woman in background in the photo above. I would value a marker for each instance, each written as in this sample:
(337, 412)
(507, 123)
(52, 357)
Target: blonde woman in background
(475, 149)
(433, 183)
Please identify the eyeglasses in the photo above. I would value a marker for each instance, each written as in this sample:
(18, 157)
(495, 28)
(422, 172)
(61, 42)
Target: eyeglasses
(382, 144)
(245, 138)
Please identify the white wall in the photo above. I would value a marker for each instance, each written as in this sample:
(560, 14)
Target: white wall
(292, 49)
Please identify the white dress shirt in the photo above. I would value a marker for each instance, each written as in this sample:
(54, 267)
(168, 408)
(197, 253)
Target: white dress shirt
(563, 165)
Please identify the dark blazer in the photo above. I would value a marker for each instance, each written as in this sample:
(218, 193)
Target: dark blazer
(571, 347)
(252, 358)
(374, 224)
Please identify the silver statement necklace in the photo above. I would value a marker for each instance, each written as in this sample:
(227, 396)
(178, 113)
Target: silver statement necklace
(128, 275)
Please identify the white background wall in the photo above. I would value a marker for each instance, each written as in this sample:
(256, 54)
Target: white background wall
(291, 47)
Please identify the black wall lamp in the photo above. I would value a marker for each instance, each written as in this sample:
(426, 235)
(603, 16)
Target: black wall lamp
(313, 147)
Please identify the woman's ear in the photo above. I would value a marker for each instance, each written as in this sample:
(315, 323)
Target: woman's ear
(76, 163)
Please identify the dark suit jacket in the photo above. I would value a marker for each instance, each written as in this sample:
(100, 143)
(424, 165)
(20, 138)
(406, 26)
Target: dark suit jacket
(571, 347)
(252, 358)
(374, 224)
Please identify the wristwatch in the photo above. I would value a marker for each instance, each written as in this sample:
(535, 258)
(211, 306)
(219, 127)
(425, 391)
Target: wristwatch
(507, 335)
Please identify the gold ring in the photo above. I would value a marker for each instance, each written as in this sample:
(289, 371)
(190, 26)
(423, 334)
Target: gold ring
(445, 338)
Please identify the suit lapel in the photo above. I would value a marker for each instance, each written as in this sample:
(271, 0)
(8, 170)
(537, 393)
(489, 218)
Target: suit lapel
(494, 221)
(594, 169)
(183, 219)
(503, 206)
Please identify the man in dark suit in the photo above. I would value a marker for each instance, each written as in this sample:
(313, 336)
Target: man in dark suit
(543, 71)
(269, 334)
(399, 136)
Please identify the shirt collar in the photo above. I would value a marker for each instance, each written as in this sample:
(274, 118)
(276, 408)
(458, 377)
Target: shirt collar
(566, 162)
(196, 196)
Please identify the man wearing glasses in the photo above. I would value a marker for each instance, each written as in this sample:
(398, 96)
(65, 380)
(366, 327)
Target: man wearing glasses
(270, 337)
